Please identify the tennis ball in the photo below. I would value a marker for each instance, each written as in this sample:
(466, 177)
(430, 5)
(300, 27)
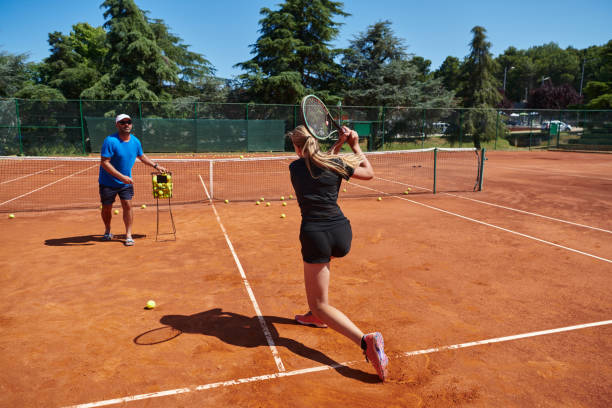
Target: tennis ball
(290, 196)
(241, 156)
(143, 206)
(257, 202)
(284, 204)
(151, 304)
(262, 199)
(11, 215)
(379, 198)
(116, 211)
(344, 189)
(100, 206)
(268, 204)
(226, 201)
(282, 215)
(282, 198)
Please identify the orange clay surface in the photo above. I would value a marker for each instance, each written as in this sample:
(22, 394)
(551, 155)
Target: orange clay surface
(425, 270)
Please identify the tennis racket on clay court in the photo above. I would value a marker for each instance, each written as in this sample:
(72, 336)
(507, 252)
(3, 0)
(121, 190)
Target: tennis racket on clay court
(317, 118)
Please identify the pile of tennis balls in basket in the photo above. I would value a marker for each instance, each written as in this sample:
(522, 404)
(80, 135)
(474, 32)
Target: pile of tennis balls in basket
(162, 185)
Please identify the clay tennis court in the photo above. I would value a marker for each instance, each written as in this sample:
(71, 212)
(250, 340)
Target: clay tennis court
(487, 299)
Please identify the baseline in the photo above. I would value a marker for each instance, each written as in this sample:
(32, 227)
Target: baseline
(334, 366)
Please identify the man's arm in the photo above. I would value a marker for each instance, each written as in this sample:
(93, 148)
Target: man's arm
(110, 169)
(151, 163)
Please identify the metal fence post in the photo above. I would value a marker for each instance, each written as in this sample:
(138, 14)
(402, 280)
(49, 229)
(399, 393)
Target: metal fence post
(82, 126)
(383, 130)
(19, 127)
(496, 131)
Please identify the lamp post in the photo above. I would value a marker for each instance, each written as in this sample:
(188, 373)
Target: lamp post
(584, 60)
(505, 71)
(544, 79)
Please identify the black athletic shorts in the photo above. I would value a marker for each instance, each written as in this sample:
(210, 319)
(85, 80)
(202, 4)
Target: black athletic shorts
(320, 246)
(108, 194)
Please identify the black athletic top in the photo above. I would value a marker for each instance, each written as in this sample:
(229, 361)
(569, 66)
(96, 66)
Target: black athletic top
(318, 196)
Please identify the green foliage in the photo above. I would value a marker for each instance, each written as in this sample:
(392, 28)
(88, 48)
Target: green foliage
(292, 55)
(15, 73)
(379, 72)
(450, 73)
(40, 92)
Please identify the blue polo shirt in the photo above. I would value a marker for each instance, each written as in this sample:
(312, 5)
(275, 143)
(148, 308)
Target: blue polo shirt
(122, 156)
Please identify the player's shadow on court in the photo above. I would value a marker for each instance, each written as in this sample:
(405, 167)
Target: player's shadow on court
(245, 331)
(86, 240)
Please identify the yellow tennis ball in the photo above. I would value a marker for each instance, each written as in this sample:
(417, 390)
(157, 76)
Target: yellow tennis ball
(290, 195)
(241, 156)
(151, 304)
(257, 202)
(143, 206)
(116, 211)
(267, 204)
(11, 215)
(262, 199)
(282, 215)
(282, 198)
(100, 206)
(344, 189)
(226, 201)
(284, 204)
(379, 198)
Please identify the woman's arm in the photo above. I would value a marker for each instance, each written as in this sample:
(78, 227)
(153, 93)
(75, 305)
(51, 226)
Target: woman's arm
(365, 170)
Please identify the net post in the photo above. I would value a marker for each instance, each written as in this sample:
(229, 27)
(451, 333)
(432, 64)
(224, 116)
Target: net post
(481, 170)
(210, 178)
(19, 127)
(82, 127)
(435, 169)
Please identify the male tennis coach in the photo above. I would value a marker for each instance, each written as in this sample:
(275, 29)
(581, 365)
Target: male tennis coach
(118, 155)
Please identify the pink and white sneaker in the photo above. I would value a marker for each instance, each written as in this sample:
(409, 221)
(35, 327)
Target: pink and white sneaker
(375, 353)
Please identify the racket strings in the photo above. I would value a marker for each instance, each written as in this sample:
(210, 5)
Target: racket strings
(315, 116)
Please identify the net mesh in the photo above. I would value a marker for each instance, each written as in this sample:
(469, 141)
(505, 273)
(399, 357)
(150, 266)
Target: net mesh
(52, 183)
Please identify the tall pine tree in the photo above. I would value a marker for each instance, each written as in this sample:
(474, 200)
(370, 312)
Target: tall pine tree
(293, 55)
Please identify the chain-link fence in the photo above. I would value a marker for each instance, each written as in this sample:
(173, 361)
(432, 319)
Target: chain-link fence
(78, 127)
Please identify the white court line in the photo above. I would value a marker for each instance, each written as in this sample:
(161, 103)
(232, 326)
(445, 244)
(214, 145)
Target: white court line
(177, 391)
(262, 321)
(488, 225)
(50, 184)
(31, 174)
(545, 171)
(500, 206)
(530, 213)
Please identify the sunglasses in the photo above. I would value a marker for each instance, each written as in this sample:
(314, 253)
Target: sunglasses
(125, 122)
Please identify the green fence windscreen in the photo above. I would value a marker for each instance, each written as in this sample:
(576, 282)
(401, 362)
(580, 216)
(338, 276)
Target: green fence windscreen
(195, 135)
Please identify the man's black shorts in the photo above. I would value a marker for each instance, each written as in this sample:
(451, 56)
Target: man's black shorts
(320, 246)
(108, 194)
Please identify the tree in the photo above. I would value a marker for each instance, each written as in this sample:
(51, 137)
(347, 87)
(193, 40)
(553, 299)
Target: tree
(379, 72)
(76, 60)
(15, 73)
(599, 92)
(553, 97)
(136, 67)
(195, 73)
(292, 56)
(450, 73)
(479, 89)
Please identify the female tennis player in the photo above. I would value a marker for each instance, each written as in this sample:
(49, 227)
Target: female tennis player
(325, 232)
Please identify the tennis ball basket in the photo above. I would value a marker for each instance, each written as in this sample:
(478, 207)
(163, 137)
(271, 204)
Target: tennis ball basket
(162, 189)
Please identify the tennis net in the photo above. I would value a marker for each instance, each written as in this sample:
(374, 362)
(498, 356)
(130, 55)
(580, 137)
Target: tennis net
(54, 183)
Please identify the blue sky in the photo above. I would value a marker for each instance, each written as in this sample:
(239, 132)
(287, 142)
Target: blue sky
(223, 30)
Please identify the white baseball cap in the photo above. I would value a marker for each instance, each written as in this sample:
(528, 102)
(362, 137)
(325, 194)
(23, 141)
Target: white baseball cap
(122, 116)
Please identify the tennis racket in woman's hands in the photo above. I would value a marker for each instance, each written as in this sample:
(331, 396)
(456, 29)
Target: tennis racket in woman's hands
(317, 118)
